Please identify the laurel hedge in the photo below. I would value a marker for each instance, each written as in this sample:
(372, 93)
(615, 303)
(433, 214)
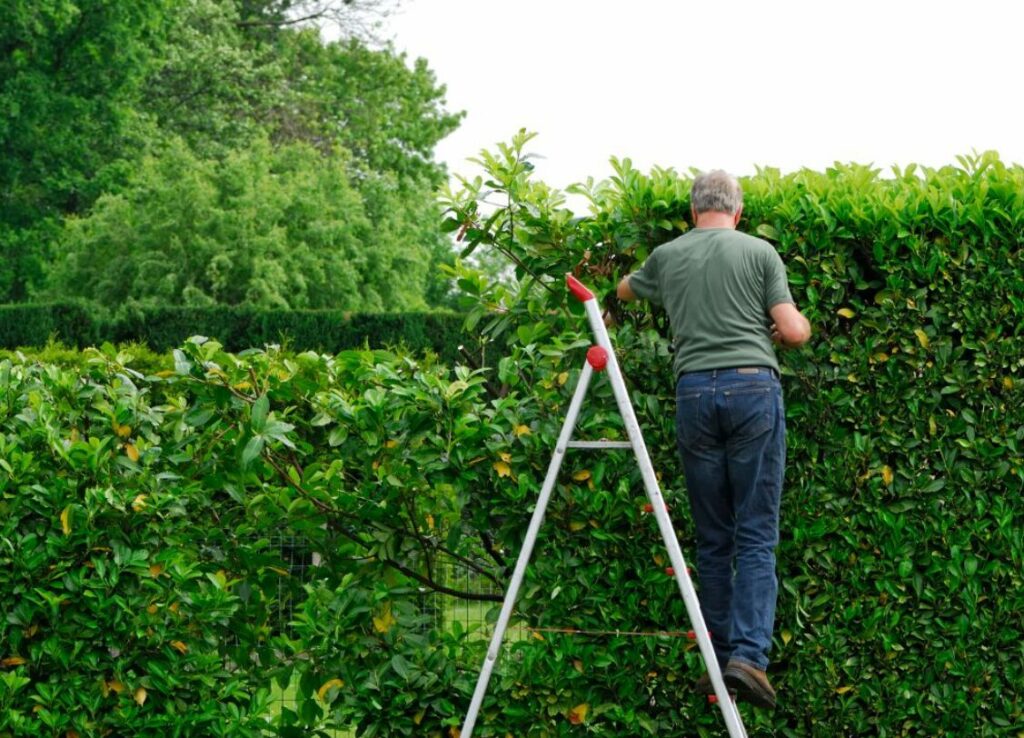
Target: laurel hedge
(164, 328)
(902, 608)
(138, 508)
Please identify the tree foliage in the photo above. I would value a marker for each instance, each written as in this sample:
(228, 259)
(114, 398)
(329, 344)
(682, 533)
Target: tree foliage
(99, 93)
(270, 228)
(69, 73)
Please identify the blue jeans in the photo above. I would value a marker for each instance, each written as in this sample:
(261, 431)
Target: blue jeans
(731, 433)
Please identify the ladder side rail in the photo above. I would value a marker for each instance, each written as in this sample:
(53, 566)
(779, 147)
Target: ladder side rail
(733, 721)
(494, 649)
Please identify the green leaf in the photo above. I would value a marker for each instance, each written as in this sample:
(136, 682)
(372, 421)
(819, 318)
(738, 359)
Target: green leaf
(260, 408)
(252, 449)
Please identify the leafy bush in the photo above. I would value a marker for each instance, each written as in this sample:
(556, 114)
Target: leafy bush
(164, 328)
(137, 514)
(901, 598)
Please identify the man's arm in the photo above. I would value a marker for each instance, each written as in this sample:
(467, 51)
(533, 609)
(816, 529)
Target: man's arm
(624, 292)
(791, 329)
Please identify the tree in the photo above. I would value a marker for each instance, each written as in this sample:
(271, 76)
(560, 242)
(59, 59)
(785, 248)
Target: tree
(69, 73)
(93, 90)
(272, 228)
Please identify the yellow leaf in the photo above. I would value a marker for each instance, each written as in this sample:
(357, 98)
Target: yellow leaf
(12, 661)
(163, 374)
(153, 609)
(844, 690)
(139, 503)
(932, 427)
(922, 337)
(116, 686)
(887, 475)
(578, 714)
(383, 621)
(418, 717)
(122, 430)
(563, 377)
(881, 357)
(846, 312)
(582, 475)
(454, 732)
(503, 469)
(522, 430)
(279, 570)
(140, 696)
(1007, 383)
(505, 456)
(65, 520)
(181, 647)
(242, 386)
(577, 525)
(786, 637)
(577, 665)
(430, 521)
(326, 687)
(156, 570)
(536, 635)
(131, 451)
(391, 444)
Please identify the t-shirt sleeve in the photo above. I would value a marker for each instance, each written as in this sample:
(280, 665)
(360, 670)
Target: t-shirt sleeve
(776, 288)
(645, 283)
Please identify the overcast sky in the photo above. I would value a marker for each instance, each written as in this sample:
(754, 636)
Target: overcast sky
(714, 84)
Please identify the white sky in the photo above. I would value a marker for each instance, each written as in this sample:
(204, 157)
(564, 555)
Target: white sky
(715, 84)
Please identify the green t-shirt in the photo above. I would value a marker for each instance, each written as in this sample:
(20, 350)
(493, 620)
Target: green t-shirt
(717, 286)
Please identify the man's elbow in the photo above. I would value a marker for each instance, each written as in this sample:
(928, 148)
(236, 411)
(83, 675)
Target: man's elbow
(624, 292)
(798, 335)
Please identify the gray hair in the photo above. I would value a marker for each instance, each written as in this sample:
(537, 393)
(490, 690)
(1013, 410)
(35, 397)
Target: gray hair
(716, 191)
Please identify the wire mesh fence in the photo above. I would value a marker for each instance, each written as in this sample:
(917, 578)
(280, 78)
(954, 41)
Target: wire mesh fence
(445, 612)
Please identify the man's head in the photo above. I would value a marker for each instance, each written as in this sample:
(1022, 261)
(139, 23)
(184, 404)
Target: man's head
(716, 200)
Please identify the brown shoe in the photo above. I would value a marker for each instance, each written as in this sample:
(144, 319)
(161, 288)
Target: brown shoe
(751, 684)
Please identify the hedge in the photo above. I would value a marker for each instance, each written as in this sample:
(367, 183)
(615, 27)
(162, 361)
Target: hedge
(236, 328)
(141, 507)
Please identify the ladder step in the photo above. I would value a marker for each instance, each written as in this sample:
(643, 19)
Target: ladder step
(600, 444)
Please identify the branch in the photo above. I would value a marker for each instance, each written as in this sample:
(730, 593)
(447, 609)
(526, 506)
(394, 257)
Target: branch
(279, 23)
(440, 587)
(427, 581)
(492, 551)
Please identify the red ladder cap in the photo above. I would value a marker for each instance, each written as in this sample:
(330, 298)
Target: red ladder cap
(597, 357)
(577, 288)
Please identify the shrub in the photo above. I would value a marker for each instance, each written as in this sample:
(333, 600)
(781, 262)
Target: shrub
(901, 597)
(164, 328)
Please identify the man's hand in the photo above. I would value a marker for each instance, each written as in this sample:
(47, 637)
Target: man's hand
(624, 292)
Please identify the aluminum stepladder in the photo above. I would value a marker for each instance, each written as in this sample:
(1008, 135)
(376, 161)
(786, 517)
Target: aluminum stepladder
(602, 357)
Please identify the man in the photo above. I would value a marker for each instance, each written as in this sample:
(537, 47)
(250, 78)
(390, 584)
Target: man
(727, 301)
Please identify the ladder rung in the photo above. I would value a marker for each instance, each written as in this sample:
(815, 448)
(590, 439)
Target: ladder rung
(600, 444)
